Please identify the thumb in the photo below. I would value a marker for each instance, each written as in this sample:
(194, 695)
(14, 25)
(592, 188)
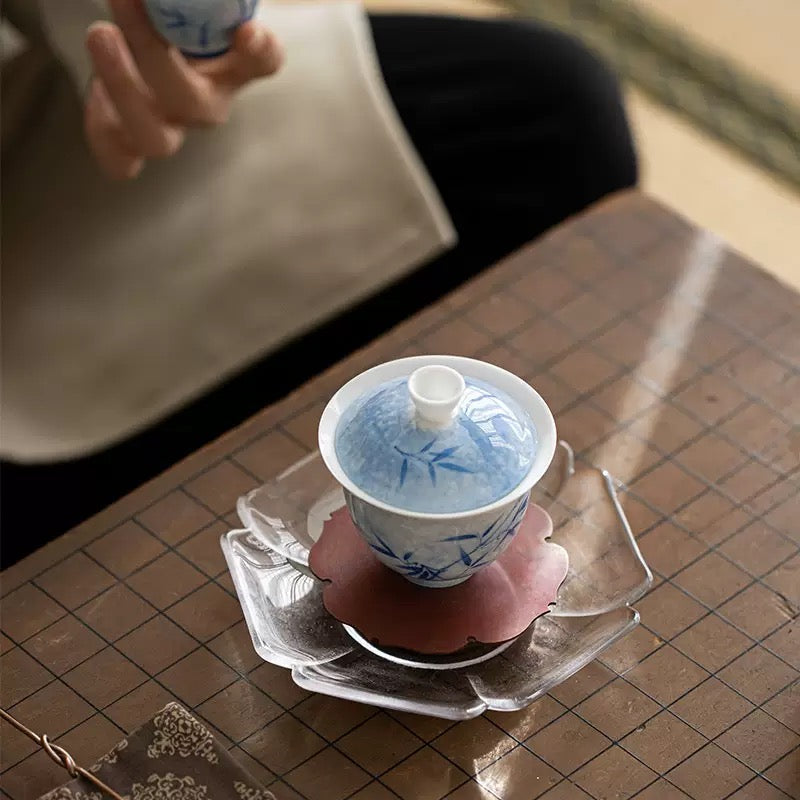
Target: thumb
(255, 53)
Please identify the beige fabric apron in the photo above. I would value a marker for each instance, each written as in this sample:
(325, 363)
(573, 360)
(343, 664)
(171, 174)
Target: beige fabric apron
(122, 302)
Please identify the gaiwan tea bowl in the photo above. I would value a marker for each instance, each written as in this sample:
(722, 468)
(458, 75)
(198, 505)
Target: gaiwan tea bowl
(199, 28)
(437, 456)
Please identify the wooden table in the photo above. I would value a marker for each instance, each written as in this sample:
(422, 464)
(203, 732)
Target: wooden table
(665, 357)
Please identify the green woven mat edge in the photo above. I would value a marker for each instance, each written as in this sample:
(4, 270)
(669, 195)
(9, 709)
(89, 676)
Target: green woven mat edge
(712, 91)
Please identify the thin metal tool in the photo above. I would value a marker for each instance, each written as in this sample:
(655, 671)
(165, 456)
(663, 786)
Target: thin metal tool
(60, 756)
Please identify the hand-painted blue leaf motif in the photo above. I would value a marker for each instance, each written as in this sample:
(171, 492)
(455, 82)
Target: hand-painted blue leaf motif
(432, 473)
(428, 446)
(444, 453)
(384, 548)
(403, 471)
(174, 18)
(482, 548)
(477, 435)
(382, 551)
(453, 467)
(421, 571)
(481, 560)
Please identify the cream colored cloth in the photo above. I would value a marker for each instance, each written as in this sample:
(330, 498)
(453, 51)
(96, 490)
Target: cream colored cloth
(122, 302)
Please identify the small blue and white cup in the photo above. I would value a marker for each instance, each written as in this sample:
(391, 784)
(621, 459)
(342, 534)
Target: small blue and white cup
(199, 28)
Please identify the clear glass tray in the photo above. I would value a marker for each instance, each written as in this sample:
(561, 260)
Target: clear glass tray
(290, 627)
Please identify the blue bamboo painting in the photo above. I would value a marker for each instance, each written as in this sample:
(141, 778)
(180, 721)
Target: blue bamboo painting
(474, 550)
(432, 460)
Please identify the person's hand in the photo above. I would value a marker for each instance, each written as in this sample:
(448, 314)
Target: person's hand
(144, 94)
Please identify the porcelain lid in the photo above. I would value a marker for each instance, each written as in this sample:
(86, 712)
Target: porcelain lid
(435, 442)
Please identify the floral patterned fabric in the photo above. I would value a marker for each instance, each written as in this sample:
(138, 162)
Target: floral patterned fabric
(172, 757)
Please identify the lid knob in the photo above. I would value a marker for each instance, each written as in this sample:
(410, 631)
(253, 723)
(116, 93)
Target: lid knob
(436, 392)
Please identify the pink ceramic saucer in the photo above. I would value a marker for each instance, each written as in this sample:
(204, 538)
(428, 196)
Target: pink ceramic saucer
(495, 605)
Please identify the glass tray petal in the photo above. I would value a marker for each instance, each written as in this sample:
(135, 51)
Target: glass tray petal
(290, 627)
(283, 608)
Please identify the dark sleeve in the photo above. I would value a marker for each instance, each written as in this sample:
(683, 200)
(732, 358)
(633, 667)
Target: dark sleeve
(26, 77)
(25, 16)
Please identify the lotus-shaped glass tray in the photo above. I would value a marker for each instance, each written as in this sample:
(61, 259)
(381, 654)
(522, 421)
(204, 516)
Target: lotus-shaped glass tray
(290, 627)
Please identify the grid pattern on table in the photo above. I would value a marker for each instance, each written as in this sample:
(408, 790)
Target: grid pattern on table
(667, 359)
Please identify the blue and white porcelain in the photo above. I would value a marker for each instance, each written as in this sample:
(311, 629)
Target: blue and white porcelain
(199, 28)
(482, 451)
(437, 456)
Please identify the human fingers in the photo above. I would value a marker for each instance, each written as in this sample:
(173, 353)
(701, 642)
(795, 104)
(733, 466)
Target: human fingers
(181, 94)
(149, 134)
(255, 53)
(106, 138)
